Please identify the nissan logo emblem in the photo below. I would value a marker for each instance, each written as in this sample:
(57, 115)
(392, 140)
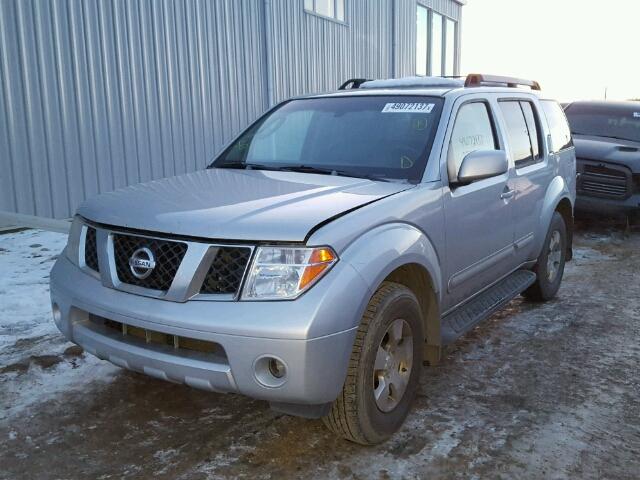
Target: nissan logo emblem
(142, 263)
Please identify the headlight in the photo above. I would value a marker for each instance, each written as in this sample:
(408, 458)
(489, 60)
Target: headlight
(283, 273)
(72, 250)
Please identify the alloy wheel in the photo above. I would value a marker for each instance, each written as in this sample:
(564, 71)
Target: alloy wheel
(554, 256)
(392, 367)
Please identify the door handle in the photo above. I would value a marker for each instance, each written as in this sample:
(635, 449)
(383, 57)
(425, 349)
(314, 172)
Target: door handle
(507, 194)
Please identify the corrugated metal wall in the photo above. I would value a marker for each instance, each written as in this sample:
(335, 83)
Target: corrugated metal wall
(95, 95)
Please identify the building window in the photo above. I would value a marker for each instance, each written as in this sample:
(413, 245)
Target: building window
(422, 36)
(450, 47)
(436, 43)
(327, 8)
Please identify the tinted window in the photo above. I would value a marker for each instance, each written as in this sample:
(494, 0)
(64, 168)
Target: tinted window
(472, 131)
(560, 134)
(520, 133)
(376, 135)
(614, 120)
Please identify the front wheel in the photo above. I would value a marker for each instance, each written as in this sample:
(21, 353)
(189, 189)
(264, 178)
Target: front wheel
(384, 368)
(550, 265)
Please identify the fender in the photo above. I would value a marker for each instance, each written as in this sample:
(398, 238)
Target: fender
(380, 251)
(557, 191)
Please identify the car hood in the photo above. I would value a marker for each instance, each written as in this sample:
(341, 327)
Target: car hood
(236, 204)
(622, 152)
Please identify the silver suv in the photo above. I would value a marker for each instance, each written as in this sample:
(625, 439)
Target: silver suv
(335, 246)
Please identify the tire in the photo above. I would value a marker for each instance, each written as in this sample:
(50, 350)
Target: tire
(549, 278)
(356, 414)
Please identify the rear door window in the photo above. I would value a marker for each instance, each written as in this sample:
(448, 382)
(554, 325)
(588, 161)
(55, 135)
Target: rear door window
(558, 125)
(522, 132)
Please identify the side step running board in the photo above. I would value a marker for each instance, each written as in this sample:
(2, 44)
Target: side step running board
(467, 316)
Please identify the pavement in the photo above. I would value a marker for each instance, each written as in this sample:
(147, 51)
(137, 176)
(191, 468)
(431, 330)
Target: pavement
(538, 391)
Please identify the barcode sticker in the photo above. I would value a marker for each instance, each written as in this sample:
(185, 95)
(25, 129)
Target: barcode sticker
(408, 108)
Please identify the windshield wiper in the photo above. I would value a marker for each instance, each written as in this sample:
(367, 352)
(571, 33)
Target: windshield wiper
(300, 168)
(622, 138)
(332, 171)
(602, 135)
(246, 166)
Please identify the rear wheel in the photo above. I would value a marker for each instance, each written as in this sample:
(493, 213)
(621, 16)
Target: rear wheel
(550, 265)
(384, 368)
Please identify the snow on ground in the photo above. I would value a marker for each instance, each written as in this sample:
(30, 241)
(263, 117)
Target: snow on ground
(25, 261)
(31, 347)
(538, 391)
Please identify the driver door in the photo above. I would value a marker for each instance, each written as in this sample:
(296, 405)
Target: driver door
(479, 224)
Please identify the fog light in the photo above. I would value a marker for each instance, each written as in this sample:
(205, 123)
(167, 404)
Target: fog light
(277, 368)
(270, 371)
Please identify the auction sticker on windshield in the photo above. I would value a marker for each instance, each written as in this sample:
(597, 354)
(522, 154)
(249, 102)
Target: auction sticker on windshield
(408, 108)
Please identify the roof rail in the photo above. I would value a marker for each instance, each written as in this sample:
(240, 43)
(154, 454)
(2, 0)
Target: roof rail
(353, 83)
(479, 79)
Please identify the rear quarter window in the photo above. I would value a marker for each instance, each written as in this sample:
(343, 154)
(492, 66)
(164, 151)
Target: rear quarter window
(558, 125)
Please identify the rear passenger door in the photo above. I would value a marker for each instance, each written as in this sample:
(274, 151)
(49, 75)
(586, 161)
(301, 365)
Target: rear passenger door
(478, 219)
(525, 144)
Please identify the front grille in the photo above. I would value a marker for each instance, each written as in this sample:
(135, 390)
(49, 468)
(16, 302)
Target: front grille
(167, 254)
(226, 271)
(603, 181)
(91, 249)
(180, 345)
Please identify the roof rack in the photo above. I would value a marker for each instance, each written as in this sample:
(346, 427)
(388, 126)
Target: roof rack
(480, 80)
(453, 81)
(353, 83)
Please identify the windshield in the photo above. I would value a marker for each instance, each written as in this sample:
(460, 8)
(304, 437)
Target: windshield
(615, 121)
(369, 136)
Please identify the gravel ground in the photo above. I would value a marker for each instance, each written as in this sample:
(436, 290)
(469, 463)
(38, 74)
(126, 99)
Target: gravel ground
(538, 391)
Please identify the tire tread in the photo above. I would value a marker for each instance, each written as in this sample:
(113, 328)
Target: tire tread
(343, 417)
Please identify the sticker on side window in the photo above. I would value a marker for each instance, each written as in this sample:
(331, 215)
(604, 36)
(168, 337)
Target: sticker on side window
(408, 107)
(636, 114)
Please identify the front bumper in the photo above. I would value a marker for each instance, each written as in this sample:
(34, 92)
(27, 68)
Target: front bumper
(606, 206)
(606, 187)
(312, 335)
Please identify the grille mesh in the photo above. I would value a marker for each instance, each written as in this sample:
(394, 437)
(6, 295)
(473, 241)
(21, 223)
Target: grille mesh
(602, 181)
(226, 271)
(91, 250)
(168, 256)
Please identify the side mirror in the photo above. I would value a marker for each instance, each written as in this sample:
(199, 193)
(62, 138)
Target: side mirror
(483, 164)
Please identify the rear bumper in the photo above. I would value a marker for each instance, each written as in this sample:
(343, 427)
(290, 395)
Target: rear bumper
(246, 331)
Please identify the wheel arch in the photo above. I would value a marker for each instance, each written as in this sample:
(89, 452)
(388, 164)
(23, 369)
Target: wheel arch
(403, 254)
(558, 198)
(565, 208)
(417, 279)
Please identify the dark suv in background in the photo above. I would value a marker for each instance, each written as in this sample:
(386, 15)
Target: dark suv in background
(607, 140)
